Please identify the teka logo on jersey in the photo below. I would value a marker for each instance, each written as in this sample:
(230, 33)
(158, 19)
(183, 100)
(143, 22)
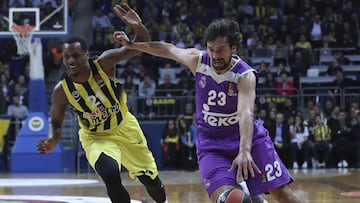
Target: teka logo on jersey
(219, 119)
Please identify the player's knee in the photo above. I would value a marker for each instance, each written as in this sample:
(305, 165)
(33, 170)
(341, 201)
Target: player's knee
(107, 168)
(233, 195)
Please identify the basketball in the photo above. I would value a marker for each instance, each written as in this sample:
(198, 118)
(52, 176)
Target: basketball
(235, 195)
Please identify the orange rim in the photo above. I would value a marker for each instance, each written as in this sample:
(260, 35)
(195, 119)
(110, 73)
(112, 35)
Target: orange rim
(23, 29)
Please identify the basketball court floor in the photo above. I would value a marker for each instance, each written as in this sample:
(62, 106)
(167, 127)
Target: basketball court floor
(318, 186)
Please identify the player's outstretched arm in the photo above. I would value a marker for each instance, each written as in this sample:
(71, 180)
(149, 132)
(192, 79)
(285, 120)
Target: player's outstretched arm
(188, 57)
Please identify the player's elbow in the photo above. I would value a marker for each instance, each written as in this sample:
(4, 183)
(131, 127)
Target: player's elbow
(246, 113)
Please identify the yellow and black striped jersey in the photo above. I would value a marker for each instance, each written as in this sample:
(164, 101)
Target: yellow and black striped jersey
(100, 102)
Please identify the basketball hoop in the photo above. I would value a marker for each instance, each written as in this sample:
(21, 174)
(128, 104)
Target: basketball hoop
(23, 35)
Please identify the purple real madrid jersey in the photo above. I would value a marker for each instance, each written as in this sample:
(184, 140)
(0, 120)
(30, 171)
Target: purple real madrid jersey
(217, 98)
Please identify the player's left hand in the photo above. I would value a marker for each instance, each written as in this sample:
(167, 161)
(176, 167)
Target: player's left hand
(127, 15)
(245, 165)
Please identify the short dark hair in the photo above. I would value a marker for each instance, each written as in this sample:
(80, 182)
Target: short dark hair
(223, 28)
(83, 43)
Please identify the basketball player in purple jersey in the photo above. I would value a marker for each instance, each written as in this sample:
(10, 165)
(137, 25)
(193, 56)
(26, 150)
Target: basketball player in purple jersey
(232, 145)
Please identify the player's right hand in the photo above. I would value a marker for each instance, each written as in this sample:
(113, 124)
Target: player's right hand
(244, 166)
(45, 146)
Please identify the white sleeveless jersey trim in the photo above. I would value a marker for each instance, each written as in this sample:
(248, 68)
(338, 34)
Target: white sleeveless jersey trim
(237, 76)
(228, 76)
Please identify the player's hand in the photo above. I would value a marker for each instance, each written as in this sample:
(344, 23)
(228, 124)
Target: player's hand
(127, 15)
(45, 146)
(121, 38)
(245, 165)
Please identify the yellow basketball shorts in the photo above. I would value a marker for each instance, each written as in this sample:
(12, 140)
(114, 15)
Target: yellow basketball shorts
(127, 145)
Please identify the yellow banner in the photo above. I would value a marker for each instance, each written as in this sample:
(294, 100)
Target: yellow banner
(4, 125)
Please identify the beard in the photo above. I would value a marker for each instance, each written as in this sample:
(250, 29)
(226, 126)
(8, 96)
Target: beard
(220, 64)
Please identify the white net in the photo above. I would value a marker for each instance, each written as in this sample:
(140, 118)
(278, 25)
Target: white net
(23, 36)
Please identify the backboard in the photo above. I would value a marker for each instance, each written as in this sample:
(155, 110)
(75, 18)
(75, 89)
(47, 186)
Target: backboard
(51, 19)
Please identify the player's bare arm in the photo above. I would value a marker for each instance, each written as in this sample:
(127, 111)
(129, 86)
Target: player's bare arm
(189, 57)
(109, 58)
(246, 94)
(57, 113)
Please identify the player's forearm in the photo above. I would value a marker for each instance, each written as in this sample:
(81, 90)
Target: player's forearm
(54, 133)
(158, 48)
(246, 123)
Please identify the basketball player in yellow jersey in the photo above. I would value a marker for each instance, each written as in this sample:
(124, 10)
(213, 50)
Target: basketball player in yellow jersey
(109, 133)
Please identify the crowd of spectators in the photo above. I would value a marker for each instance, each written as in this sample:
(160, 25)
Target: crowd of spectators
(292, 32)
(314, 138)
(178, 141)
